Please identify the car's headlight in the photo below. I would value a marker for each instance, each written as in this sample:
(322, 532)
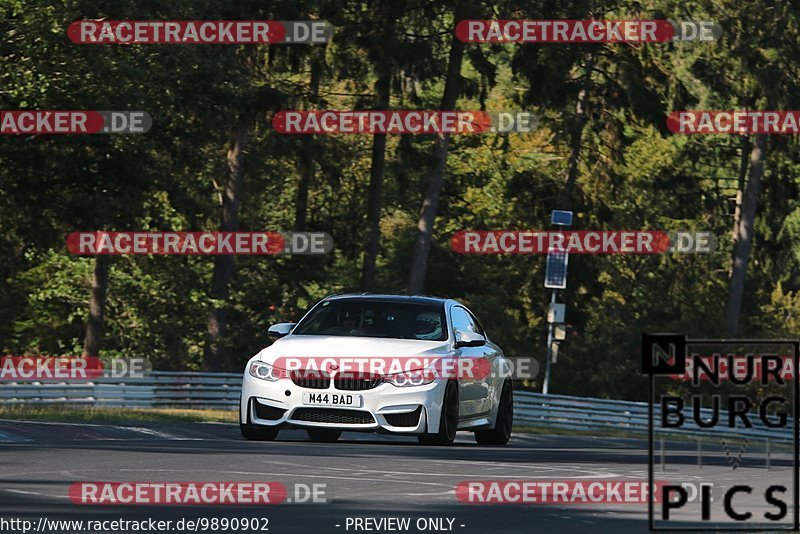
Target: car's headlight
(265, 371)
(419, 377)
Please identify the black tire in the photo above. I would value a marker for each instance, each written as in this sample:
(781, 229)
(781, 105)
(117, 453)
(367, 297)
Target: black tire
(448, 423)
(325, 435)
(501, 433)
(257, 433)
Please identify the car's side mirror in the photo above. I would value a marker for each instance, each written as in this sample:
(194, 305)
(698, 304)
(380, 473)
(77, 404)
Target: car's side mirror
(279, 330)
(469, 339)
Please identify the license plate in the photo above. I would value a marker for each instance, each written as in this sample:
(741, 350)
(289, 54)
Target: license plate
(332, 399)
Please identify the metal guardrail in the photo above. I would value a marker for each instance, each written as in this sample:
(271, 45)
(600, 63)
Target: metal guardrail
(159, 389)
(221, 390)
(609, 416)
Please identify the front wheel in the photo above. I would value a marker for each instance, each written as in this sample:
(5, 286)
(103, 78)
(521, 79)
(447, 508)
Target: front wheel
(448, 423)
(501, 433)
(258, 433)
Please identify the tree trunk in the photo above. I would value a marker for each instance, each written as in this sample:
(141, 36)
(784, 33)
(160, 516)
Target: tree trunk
(740, 180)
(223, 264)
(744, 236)
(306, 168)
(97, 307)
(306, 162)
(375, 194)
(430, 205)
(576, 137)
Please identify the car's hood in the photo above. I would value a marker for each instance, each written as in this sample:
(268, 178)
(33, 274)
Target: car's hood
(349, 347)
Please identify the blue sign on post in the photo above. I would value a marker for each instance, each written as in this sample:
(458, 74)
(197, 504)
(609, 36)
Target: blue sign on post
(561, 218)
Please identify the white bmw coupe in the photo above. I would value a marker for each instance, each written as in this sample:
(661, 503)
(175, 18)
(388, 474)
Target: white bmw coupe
(392, 364)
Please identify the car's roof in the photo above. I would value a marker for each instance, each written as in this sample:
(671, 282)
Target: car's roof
(413, 299)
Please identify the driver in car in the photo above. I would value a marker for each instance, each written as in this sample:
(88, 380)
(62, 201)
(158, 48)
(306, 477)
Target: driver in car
(349, 320)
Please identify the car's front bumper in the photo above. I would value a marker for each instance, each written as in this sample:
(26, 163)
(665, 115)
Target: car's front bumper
(385, 408)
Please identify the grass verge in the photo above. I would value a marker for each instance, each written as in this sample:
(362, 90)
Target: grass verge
(88, 414)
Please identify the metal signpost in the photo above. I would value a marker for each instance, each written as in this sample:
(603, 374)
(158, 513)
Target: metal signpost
(555, 278)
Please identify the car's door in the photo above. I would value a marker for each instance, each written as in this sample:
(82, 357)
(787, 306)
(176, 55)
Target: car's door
(474, 385)
(493, 370)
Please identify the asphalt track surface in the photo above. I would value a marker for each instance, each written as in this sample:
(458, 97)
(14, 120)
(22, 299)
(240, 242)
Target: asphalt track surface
(366, 475)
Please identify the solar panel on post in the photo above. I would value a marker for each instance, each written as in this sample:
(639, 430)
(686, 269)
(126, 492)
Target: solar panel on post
(555, 276)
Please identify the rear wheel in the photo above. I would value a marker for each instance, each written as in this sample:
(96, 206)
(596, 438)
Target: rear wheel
(448, 423)
(501, 433)
(326, 435)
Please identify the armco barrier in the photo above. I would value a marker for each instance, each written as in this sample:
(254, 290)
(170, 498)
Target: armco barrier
(154, 389)
(221, 390)
(605, 416)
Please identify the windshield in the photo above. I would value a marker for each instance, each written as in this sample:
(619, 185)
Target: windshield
(373, 318)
